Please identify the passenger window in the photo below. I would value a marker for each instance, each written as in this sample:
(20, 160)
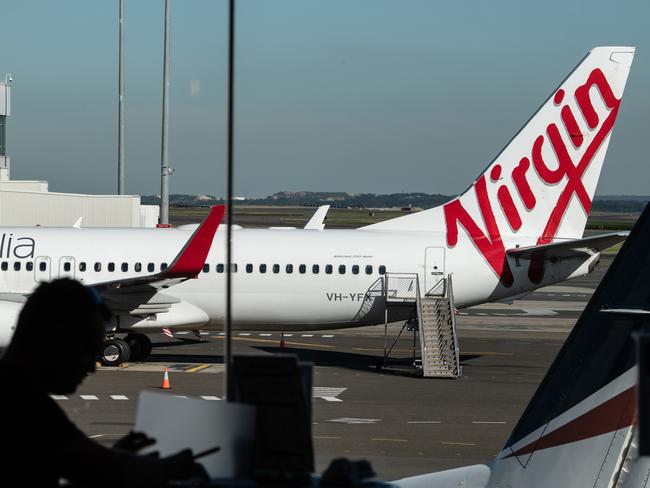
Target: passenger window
(220, 268)
(66, 267)
(98, 267)
(249, 268)
(341, 268)
(82, 266)
(382, 270)
(233, 267)
(355, 269)
(125, 267)
(369, 269)
(163, 266)
(29, 266)
(206, 267)
(17, 266)
(315, 269)
(111, 267)
(328, 269)
(289, 268)
(151, 267)
(302, 269)
(42, 266)
(4, 266)
(262, 268)
(138, 267)
(276, 268)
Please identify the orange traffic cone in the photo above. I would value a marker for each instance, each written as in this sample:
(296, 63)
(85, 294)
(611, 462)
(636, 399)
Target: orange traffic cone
(282, 344)
(165, 383)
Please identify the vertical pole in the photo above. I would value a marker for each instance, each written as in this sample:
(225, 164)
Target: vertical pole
(164, 151)
(227, 356)
(121, 184)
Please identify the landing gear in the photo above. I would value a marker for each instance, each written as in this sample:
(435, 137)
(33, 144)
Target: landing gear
(115, 352)
(140, 346)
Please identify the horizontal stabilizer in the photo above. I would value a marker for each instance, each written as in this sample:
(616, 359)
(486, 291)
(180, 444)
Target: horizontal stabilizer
(568, 248)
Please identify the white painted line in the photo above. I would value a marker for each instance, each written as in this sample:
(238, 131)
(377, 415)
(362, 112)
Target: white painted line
(204, 333)
(354, 420)
(488, 422)
(424, 422)
(119, 397)
(244, 334)
(306, 335)
(457, 443)
(210, 397)
(222, 333)
(58, 397)
(95, 436)
(331, 399)
(327, 336)
(88, 397)
(288, 335)
(266, 335)
(183, 332)
(180, 396)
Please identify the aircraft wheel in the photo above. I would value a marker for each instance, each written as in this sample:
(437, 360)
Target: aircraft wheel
(140, 346)
(115, 352)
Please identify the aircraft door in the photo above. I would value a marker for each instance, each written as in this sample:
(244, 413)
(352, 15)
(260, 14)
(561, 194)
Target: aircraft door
(434, 271)
(42, 269)
(66, 267)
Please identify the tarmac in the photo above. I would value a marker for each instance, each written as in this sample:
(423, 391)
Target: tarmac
(404, 425)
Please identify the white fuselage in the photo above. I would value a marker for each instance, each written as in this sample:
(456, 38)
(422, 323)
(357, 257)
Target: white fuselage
(301, 299)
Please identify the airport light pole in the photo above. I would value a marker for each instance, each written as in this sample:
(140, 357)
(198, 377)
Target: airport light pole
(121, 181)
(165, 170)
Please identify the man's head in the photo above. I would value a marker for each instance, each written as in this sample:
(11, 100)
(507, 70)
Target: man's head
(61, 329)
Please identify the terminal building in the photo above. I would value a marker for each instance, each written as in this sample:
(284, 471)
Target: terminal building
(30, 203)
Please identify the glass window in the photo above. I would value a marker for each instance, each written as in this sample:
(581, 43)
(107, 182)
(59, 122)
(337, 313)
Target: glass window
(163, 266)
(289, 268)
(125, 267)
(29, 266)
(206, 267)
(66, 267)
(42, 266)
(220, 268)
(276, 268)
(262, 268)
(382, 269)
(151, 267)
(341, 268)
(4, 266)
(17, 266)
(111, 267)
(249, 268)
(328, 269)
(137, 267)
(315, 269)
(302, 269)
(82, 266)
(355, 269)
(98, 267)
(369, 269)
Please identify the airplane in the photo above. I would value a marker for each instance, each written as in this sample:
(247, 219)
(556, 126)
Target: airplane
(580, 427)
(518, 227)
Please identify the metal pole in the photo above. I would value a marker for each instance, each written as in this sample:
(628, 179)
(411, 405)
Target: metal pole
(165, 170)
(227, 355)
(121, 183)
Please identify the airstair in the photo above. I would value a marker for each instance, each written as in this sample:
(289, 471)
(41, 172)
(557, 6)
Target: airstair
(436, 322)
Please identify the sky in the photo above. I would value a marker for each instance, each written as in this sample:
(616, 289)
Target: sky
(377, 96)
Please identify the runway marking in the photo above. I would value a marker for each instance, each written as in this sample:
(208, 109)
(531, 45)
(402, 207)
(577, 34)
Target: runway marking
(179, 396)
(58, 397)
(424, 422)
(327, 336)
(354, 420)
(489, 422)
(457, 443)
(328, 394)
(288, 335)
(244, 334)
(119, 397)
(306, 335)
(210, 397)
(200, 367)
(307, 344)
(183, 332)
(331, 399)
(382, 439)
(96, 436)
(327, 437)
(205, 333)
(88, 397)
(266, 335)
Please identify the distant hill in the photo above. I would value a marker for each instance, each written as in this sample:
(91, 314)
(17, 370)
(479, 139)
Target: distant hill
(606, 203)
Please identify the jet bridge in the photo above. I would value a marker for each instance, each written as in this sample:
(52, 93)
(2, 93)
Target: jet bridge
(436, 322)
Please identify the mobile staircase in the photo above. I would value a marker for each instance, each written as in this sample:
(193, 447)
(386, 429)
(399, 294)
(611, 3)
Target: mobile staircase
(436, 322)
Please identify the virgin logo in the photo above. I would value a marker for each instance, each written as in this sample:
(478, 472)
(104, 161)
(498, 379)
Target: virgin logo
(566, 169)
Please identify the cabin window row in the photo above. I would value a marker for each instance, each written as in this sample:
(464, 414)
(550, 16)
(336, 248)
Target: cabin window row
(300, 269)
(67, 266)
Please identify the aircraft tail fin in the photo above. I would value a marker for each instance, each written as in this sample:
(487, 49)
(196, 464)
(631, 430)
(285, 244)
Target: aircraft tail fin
(542, 183)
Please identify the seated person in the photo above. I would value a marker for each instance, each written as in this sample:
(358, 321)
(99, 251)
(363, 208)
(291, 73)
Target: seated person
(58, 337)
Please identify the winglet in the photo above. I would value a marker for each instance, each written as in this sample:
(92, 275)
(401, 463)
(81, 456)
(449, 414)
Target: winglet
(191, 259)
(317, 221)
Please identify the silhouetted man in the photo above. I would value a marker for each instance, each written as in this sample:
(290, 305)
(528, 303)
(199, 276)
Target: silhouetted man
(56, 342)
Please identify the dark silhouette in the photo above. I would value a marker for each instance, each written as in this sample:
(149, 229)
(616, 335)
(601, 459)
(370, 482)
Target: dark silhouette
(55, 345)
